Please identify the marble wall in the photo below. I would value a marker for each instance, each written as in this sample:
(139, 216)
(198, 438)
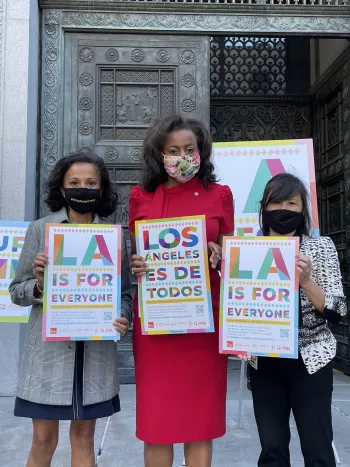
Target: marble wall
(19, 50)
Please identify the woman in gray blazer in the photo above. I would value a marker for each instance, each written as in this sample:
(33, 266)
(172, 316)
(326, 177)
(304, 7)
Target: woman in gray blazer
(74, 381)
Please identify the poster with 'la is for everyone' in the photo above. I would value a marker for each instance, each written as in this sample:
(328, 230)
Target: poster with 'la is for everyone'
(82, 286)
(174, 294)
(247, 166)
(259, 297)
(12, 234)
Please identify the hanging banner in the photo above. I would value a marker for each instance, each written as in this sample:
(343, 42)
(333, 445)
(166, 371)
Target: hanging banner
(12, 235)
(174, 295)
(246, 167)
(82, 286)
(259, 297)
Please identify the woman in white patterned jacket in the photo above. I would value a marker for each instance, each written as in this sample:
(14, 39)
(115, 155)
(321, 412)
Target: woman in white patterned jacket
(305, 385)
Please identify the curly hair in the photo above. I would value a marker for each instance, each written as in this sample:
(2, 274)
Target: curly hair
(283, 187)
(153, 171)
(53, 195)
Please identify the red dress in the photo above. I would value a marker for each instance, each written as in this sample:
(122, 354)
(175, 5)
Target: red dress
(181, 379)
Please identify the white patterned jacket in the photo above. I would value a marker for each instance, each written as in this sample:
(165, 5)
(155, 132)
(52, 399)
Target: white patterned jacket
(317, 345)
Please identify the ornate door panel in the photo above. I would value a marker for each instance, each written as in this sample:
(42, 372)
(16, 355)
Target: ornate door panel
(260, 118)
(255, 92)
(115, 86)
(332, 160)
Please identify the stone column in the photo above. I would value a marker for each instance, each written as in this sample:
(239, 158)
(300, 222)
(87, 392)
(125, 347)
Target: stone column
(19, 71)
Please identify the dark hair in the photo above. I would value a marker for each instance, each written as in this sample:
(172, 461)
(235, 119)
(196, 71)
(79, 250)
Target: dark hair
(53, 195)
(281, 188)
(153, 171)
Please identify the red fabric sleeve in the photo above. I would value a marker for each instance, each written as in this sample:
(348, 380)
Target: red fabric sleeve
(134, 202)
(227, 218)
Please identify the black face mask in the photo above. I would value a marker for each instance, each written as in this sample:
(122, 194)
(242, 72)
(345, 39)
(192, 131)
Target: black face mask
(283, 221)
(82, 200)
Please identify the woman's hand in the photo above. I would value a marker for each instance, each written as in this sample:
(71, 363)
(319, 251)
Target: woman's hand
(138, 266)
(40, 263)
(215, 256)
(313, 291)
(304, 268)
(243, 356)
(121, 325)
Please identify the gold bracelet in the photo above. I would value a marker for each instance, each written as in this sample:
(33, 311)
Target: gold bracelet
(39, 289)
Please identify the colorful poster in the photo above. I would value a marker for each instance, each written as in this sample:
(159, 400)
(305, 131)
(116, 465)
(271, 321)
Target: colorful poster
(246, 167)
(259, 297)
(174, 295)
(82, 287)
(12, 235)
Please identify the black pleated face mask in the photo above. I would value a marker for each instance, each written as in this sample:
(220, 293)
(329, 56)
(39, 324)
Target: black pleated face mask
(283, 221)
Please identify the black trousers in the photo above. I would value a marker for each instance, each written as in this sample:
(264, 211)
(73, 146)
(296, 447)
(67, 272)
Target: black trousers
(279, 386)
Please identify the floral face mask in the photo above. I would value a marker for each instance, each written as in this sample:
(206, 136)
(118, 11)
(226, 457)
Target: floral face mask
(182, 169)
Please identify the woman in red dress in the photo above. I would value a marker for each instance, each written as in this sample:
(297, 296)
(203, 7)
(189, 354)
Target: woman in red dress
(181, 379)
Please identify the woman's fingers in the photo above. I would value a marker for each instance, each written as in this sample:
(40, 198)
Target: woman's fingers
(137, 262)
(136, 259)
(215, 256)
(121, 329)
(40, 264)
(41, 261)
(139, 271)
(122, 321)
(305, 267)
(38, 270)
(42, 257)
(121, 325)
(214, 248)
(244, 357)
(303, 261)
(138, 266)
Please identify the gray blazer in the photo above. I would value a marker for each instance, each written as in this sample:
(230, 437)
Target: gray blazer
(47, 368)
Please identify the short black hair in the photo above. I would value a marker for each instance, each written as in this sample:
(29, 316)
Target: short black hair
(153, 171)
(280, 188)
(53, 195)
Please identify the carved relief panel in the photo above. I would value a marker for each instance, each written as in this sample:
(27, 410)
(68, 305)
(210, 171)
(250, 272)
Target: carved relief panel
(116, 85)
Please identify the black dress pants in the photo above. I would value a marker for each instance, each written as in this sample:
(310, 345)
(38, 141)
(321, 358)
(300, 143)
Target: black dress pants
(281, 385)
